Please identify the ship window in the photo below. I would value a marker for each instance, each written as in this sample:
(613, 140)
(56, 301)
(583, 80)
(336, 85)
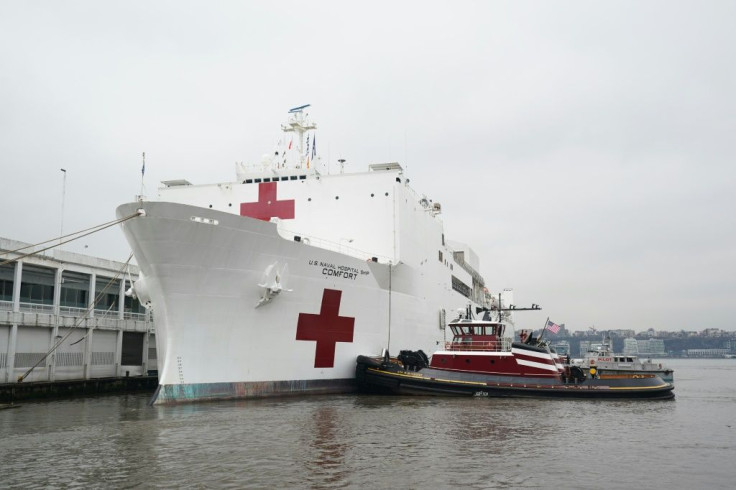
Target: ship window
(628, 359)
(267, 179)
(293, 177)
(302, 177)
(337, 197)
(460, 287)
(440, 255)
(230, 204)
(309, 199)
(256, 180)
(284, 178)
(248, 181)
(387, 194)
(210, 206)
(372, 194)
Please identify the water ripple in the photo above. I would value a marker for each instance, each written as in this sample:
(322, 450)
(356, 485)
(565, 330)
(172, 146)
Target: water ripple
(384, 442)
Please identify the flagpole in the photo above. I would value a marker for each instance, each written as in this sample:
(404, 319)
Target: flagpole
(543, 329)
(63, 198)
(143, 172)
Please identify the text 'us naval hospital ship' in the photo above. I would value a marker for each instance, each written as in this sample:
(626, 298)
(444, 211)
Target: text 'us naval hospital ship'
(274, 284)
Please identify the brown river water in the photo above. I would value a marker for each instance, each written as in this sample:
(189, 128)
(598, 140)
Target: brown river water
(357, 441)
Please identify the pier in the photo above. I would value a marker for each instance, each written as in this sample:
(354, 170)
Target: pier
(67, 326)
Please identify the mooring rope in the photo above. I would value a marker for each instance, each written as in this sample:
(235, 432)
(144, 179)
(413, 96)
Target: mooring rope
(86, 232)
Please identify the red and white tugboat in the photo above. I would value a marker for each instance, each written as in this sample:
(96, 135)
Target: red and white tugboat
(483, 360)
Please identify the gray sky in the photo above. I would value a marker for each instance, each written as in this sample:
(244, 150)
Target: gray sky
(585, 150)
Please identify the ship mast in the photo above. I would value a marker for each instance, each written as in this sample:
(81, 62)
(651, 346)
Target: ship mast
(299, 123)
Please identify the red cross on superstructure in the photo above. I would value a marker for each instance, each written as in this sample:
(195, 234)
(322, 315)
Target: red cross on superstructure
(327, 328)
(268, 206)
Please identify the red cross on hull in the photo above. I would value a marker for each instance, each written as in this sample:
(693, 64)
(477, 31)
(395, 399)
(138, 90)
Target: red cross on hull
(268, 206)
(327, 328)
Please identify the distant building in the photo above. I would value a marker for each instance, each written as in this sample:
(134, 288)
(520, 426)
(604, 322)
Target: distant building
(79, 301)
(562, 347)
(707, 352)
(651, 347)
(584, 347)
(631, 347)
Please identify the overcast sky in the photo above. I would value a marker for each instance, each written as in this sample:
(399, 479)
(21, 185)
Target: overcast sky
(584, 150)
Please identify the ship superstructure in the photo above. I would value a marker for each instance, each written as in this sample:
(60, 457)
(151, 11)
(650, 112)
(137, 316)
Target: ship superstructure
(276, 282)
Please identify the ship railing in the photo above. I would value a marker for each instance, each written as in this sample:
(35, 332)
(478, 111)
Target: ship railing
(6, 305)
(503, 345)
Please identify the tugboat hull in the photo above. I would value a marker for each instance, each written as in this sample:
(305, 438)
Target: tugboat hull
(378, 376)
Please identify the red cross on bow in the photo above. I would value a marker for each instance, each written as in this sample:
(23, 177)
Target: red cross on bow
(268, 206)
(327, 328)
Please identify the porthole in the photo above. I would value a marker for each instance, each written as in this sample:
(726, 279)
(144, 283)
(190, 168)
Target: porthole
(337, 197)
(387, 194)
(230, 204)
(210, 206)
(372, 194)
(467, 360)
(309, 199)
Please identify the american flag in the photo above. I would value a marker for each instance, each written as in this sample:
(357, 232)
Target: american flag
(552, 327)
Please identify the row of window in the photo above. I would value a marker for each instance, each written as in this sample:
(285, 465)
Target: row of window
(274, 179)
(73, 298)
(444, 261)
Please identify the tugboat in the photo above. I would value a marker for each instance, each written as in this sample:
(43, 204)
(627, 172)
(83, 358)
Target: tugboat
(482, 359)
(605, 361)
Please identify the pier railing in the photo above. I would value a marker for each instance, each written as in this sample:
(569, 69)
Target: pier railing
(72, 311)
(36, 308)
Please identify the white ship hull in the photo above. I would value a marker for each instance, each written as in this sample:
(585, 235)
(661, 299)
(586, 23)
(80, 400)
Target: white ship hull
(213, 342)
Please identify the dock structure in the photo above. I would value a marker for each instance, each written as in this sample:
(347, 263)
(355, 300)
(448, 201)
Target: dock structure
(50, 319)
